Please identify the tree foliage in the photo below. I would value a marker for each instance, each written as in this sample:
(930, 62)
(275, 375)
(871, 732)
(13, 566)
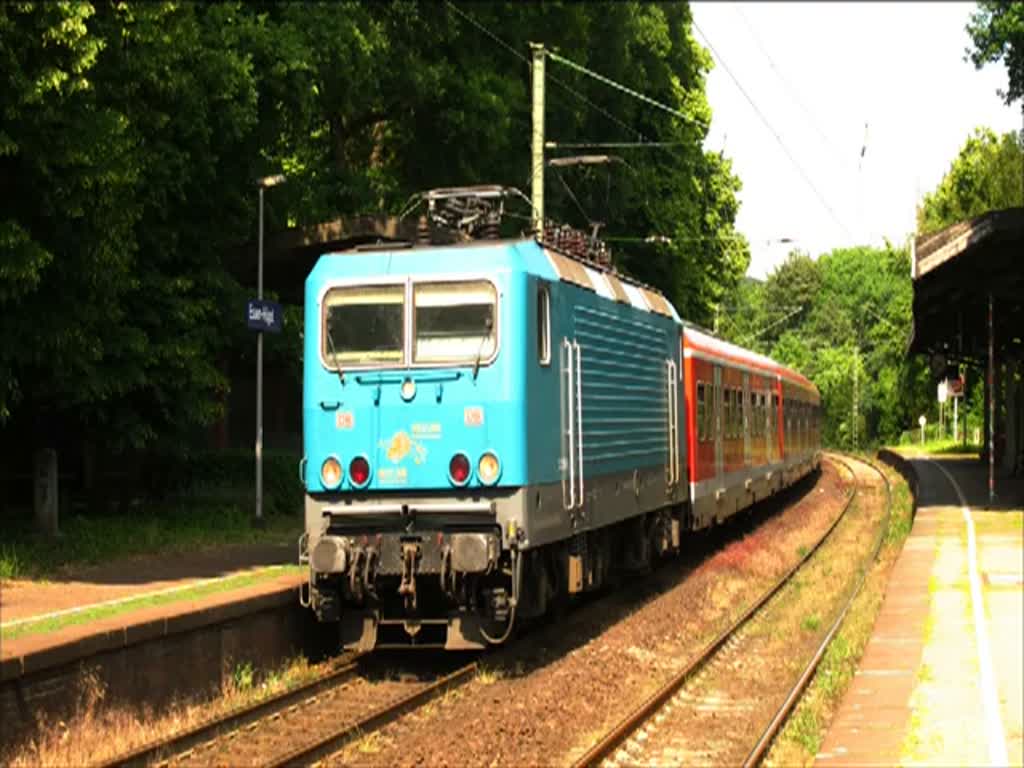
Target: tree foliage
(987, 174)
(997, 33)
(132, 131)
(843, 321)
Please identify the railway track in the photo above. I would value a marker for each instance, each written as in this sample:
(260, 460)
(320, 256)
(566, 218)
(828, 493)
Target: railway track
(302, 725)
(640, 737)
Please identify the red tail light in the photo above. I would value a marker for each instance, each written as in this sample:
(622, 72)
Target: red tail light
(458, 469)
(359, 471)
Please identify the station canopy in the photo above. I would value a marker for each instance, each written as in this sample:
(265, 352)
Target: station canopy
(955, 271)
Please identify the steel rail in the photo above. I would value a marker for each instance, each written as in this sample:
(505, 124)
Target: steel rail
(178, 743)
(377, 719)
(631, 722)
(769, 734)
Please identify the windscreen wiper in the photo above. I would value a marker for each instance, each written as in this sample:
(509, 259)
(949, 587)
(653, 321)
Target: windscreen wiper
(334, 355)
(488, 324)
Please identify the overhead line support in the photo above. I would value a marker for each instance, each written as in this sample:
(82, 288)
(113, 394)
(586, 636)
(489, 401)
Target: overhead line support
(537, 147)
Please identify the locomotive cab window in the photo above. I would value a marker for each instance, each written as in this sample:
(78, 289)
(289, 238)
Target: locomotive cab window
(543, 324)
(454, 322)
(363, 325)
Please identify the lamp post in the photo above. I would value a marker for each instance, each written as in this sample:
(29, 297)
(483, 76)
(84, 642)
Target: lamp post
(263, 183)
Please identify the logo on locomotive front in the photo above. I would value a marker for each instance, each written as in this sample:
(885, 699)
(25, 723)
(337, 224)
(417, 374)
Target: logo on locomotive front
(400, 445)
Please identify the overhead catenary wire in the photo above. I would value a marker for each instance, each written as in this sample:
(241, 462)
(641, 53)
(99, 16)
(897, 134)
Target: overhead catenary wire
(644, 141)
(572, 195)
(487, 32)
(557, 81)
(768, 125)
(624, 89)
(611, 144)
(522, 57)
(792, 91)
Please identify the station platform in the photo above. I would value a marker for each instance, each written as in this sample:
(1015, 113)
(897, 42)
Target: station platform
(941, 681)
(204, 609)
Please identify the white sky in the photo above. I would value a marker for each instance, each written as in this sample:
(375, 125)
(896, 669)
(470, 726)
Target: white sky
(899, 67)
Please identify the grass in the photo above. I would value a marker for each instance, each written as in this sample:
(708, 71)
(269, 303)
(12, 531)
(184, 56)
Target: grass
(803, 734)
(106, 611)
(487, 675)
(96, 731)
(85, 540)
(937, 447)
(810, 623)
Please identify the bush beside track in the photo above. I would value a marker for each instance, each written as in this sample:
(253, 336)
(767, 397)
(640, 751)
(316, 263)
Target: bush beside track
(182, 502)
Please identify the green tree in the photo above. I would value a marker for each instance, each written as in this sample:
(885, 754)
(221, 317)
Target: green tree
(384, 100)
(842, 320)
(124, 184)
(997, 33)
(986, 175)
(132, 132)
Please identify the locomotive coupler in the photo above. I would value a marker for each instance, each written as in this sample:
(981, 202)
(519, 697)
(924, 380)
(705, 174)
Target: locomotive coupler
(410, 564)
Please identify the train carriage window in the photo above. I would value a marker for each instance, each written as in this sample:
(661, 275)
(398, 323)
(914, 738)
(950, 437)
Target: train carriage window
(454, 322)
(702, 433)
(363, 325)
(543, 324)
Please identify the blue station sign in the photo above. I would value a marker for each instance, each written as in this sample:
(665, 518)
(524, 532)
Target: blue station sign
(264, 316)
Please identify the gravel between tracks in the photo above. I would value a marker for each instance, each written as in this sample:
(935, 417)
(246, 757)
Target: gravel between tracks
(545, 699)
(720, 714)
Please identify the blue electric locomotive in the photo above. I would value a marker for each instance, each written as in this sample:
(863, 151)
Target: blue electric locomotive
(480, 419)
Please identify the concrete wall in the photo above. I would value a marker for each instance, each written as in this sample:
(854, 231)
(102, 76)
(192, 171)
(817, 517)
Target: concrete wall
(149, 665)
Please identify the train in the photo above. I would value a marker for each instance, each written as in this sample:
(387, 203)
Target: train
(493, 425)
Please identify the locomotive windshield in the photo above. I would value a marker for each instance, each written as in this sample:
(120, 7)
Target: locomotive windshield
(364, 324)
(454, 322)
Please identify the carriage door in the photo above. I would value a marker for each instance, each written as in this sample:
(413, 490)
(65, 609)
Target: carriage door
(572, 427)
(718, 421)
(748, 419)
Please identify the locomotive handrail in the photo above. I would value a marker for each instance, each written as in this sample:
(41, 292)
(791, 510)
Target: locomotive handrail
(426, 507)
(419, 378)
(571, 431)
(579, 417)
(673, 423)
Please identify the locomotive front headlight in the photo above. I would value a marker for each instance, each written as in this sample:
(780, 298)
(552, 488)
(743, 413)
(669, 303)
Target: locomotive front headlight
(408, 390)
(331, 473)
(488, 468)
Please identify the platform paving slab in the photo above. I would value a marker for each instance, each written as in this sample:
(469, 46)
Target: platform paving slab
(130, 576)
(916, 698)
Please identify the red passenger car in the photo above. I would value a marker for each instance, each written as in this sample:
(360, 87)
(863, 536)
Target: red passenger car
(752, 426)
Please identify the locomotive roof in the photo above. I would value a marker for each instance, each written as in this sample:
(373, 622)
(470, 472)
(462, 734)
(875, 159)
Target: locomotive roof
(585, 273)
(717, 347)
